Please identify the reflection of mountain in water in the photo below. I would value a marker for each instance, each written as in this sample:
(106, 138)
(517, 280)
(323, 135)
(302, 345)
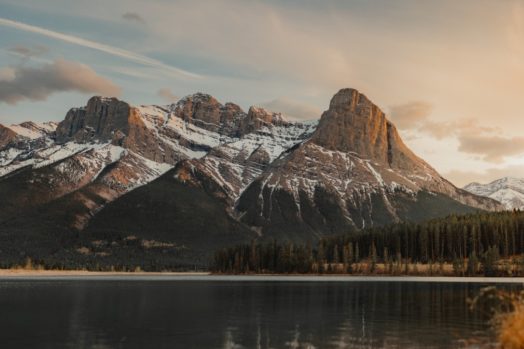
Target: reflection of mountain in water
(117, 314)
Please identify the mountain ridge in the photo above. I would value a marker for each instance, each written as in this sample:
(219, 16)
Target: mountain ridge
(507, 190)
(268, 177)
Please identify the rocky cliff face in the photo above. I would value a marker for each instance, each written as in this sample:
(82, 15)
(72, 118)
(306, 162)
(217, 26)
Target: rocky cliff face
(354, 124)
(99, 120)
(206, 112)
(7, 136)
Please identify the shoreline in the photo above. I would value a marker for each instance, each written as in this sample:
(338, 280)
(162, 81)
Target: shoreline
(43, 273)
(21, 274)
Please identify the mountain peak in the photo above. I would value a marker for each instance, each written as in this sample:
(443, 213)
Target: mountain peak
(349, 99)
(99, 120)
(353, 124)
(198, 97)
(265, 115)
(101, 99)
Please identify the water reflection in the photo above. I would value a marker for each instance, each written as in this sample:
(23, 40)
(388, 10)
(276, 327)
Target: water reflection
(174, 314)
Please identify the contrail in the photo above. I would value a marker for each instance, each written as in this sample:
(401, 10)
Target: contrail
(115, 51)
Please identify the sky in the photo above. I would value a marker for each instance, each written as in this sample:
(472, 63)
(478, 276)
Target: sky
(449, 74)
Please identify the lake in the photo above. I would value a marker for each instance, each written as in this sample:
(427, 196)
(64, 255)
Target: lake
(235, 312)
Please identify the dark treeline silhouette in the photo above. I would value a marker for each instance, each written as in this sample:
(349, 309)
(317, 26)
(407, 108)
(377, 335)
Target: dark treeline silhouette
(479, 243)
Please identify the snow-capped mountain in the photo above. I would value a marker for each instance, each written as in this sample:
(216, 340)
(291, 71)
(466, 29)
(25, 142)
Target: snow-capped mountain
(112, 147)
(198, 174)
(509, 191)
(354, 172)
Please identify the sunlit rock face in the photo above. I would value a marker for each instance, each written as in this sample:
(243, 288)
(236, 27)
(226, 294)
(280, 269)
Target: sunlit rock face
(98, 120)
(354, 124)
(6, 136)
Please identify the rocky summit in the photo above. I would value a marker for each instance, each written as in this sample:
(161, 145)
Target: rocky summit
(165, 186)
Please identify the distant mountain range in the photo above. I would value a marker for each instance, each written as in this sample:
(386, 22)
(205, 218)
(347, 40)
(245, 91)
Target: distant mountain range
(114, 183)
(509, 191)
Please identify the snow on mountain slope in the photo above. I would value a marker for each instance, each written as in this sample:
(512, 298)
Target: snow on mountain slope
(508, 190)
(233, 166)
(14, 158)
(181, 136)
(33, 130)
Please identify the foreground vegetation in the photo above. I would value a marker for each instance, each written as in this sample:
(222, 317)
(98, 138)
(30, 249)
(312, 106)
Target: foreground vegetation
(490, 244)
(506, 311)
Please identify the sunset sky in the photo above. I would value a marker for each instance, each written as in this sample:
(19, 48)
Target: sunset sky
(450, 74)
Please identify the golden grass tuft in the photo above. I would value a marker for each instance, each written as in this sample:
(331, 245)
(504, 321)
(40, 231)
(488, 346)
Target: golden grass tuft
(511, 330)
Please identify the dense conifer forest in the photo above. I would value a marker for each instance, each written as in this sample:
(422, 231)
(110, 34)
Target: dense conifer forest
(482, 243)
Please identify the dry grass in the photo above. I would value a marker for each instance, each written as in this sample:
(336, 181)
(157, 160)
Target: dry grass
(506, 310)
(365, 267)
(511, 328)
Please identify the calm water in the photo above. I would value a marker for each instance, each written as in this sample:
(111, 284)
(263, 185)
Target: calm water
(207, 313)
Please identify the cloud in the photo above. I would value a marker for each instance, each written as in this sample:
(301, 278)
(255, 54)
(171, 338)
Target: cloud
(134, 17)
(275, 40)
(414, 116)
(36, 84)
(410, 115)
(28, 52)
(292, 109)
(167, 95)
(486, 142)
(115, 51)
(7, 74)
(450, 129)
(491, 148)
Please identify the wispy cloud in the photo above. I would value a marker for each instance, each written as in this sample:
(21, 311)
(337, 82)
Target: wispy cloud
(410, 115)
(167, 95)
(292, 109)
(492, 148)
(134, 17)
(115, 51)
(28, 52)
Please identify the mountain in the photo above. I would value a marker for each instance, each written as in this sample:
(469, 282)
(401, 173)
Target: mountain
(165, 186)
(508, 191)
(354, 172)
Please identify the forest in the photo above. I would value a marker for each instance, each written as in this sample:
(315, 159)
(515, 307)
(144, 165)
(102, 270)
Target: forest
(482, 243)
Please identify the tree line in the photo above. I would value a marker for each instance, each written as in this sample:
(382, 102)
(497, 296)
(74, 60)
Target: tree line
(472, 244)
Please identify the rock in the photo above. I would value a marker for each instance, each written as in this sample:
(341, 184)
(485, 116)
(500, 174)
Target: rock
(98, 121)
(259, 117)
(206, 112)
(7, 136)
